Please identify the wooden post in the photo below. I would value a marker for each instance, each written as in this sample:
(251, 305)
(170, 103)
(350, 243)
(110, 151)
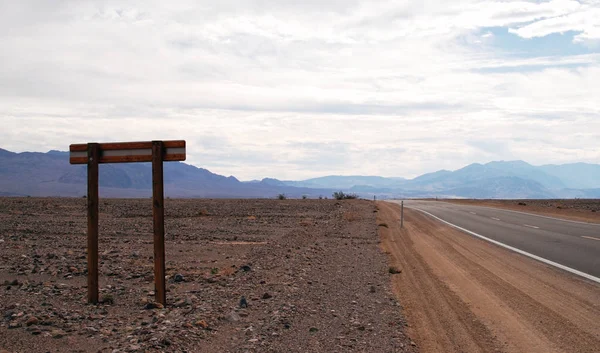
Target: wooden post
(158, 215)
(93, 153)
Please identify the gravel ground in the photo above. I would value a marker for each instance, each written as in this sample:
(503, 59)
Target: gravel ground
(311, 272)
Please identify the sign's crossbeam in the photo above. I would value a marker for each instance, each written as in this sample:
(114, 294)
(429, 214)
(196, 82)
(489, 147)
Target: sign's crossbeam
(128, 152)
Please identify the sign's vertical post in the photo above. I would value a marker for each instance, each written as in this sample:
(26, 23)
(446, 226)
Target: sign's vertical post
(402, 215)
(93, 154)
(158, 214)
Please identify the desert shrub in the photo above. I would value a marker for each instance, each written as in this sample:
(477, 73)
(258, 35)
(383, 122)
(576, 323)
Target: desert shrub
(304, 197)
(281, 197)
(340, 195)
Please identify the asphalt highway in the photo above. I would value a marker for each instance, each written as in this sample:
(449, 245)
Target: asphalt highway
(572, 244)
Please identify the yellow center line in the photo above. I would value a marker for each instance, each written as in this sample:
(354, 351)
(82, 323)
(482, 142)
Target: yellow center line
(583, 236)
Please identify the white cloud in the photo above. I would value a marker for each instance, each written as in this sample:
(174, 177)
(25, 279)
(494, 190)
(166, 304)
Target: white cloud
(299, 89)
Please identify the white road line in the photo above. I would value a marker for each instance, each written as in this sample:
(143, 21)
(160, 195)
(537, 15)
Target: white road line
(495, 219)
(527, 213)
(534, 227)
(583, 236)
(472, 213)
(535, 257)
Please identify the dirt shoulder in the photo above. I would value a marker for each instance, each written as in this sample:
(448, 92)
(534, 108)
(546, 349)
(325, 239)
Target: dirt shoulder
(462, 294)
(311, 271)
(576, 210)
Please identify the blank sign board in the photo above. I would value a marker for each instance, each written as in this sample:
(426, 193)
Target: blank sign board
(127, 152)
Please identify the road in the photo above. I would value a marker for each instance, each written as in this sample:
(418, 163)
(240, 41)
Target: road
(572, 244)
(460, 293)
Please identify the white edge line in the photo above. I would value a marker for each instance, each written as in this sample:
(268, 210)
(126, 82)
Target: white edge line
(495, 219)
(527, 213)
(535, 257)
(534, 227)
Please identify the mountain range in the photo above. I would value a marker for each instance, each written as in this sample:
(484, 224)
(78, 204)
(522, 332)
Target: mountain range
(50, 174)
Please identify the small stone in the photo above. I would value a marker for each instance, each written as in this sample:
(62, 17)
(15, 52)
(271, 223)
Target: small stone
(233, 317)
(313, 329)
(413, 344)
(267, 296)
(57, 334)
(32, 321)
(202, 323)
(178, 278)
(246, 268)
(153, 305)
(14, 325)
(243, 303)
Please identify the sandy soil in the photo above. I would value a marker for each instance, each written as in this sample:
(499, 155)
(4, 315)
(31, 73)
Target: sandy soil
(577, 210)
(311, 271)
(462, 294)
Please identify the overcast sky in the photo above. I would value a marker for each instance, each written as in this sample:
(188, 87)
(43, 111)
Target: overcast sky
(298, 89)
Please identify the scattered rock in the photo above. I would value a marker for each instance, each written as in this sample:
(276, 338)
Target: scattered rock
(178, 278)
(32, 321)
(243, 303)
(154, 305)
(183, 302)
(202, 323)
(267, 296)
(57, 334)
(233, 317)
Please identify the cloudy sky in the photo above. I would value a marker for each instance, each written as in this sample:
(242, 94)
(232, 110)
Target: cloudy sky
(297, 89)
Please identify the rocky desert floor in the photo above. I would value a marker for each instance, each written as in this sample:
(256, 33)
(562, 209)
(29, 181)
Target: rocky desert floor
(311, 271)
(583, 210)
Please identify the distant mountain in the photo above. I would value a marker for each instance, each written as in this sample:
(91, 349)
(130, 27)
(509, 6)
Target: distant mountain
(499, 179)
(346, 182)
(575, 175)
(50, 174)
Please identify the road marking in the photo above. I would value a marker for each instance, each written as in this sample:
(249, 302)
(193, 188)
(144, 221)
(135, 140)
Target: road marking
(472, 213)
(583, 236)
(495, 219)
(527, 213)
(534, 227)
(535, 257)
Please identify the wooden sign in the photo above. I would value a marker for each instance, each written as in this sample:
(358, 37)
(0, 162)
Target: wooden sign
(127, 152)
(156, 152)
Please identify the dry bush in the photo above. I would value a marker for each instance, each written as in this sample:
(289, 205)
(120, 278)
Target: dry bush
(203, 213)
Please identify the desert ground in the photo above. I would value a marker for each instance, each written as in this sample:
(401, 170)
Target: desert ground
(317, 276)
(583, 210)
(312, 272)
